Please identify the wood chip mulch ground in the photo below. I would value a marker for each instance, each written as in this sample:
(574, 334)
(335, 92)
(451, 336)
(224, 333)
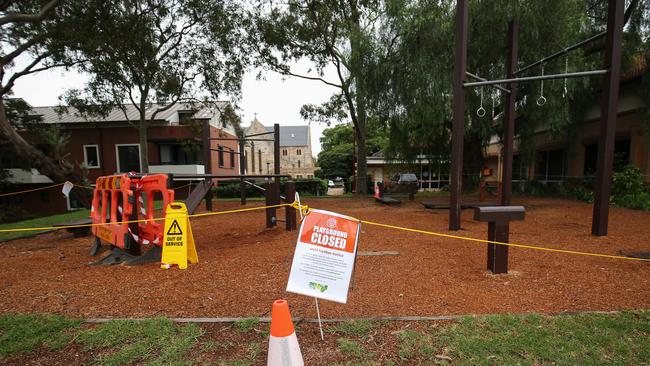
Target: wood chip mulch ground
(244, 267)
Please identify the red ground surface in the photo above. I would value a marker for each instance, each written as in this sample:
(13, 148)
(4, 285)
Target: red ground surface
(244, 267)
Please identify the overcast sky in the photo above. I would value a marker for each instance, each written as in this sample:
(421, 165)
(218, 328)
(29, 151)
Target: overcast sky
(275, 99)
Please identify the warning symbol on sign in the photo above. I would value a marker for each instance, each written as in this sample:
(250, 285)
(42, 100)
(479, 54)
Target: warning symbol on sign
(175, 229)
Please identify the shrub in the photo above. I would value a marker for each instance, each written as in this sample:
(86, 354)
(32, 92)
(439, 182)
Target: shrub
(230, 189)
(628, 189)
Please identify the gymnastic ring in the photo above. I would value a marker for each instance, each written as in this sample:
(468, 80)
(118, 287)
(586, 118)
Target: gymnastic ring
(480, 112)
(541, 101)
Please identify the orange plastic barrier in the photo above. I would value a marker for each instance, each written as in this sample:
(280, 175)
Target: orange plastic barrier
(114, 201)
(112, 204)
(147, 189)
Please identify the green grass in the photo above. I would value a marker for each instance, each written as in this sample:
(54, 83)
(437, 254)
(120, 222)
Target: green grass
(351, 348)
(46, 221)
(587, 339)
(151, 342)
(246, 325)
(25, 333)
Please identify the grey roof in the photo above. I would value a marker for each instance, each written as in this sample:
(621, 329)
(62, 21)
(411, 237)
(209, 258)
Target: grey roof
(292, 135)
(51, 114)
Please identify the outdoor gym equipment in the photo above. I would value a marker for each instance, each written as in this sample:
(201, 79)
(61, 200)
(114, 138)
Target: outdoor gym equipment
(609, 107)
(498, 219)
(241, 141)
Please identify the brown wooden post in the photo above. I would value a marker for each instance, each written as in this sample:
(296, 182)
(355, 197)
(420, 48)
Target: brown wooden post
(272, 195)
(509, 128)
(207, 160)
(498, 219)
(458, 127)
(276, 152)
(290, 212)
(608, 114)
(242, 171)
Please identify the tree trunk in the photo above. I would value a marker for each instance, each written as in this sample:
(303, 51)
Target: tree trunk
(143, 124)
(357, 71)
(57, 171)
(144, 146)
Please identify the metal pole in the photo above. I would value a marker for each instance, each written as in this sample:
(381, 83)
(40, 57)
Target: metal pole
(253, 157)
(207, 161)
(458, 127)
(568, 75)
(242, 171)
(509, 128)
(276, 152)
(474, 76)
(608, 114)
(563, 52)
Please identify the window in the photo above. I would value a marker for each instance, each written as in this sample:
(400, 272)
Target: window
(621, 156)
(298, 163)
(551, 165)
(284, 152)
(91, 156)
(232, 158)
(298, 152)
(310, 176)
(128, 158)
(177, 154)
(220, 156)
(298, 176)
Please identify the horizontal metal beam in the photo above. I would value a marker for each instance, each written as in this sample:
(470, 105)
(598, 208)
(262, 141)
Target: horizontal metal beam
(227, 176)
(536, 78)
(474, 76)
(260, 134)
(237, 139)
(563, 52)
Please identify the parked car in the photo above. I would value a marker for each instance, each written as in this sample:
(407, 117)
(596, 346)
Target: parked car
(330, 184)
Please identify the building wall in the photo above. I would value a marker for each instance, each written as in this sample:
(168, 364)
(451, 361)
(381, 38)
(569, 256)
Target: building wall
(263, 159)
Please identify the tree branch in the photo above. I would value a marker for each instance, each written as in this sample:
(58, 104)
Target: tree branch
(20, 49)
(22, 18)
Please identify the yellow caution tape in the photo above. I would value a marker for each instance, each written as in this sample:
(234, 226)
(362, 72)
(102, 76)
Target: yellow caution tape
(31, 190)
(305, 209)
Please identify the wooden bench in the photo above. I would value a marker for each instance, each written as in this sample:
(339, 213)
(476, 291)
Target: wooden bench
(445, 206)
(498, 219)
(78, 232)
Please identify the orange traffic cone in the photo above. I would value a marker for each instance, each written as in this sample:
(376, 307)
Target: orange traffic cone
(283, 343)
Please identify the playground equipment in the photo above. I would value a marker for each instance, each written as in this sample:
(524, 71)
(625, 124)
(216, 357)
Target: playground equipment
(116, 207)
(402, 183)
(498, 219)
(124, 205)
(609, 107)
(379, 196)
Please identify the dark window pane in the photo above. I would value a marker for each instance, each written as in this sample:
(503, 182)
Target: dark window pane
(129, 158)
(92, 159)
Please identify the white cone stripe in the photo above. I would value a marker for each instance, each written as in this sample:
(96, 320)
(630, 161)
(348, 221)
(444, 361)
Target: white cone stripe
(284, 351)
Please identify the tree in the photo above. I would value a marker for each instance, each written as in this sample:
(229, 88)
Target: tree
(336, 158)
(154, 53)
(414, 98)
(30, 28)
(334, 34)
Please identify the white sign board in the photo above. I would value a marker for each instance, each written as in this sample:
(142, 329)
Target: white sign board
(324, 258)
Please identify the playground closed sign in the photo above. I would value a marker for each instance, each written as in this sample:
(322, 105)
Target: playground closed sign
(324, 258)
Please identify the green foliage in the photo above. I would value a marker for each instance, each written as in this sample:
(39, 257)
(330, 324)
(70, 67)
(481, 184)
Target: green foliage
(336, 156)
(620, 339)
(628, 189)
(153, 342)
(7, 214)
(25, 333)
(310, 186)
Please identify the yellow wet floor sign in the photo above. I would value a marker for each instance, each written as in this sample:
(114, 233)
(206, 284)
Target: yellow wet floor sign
(178, 246)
